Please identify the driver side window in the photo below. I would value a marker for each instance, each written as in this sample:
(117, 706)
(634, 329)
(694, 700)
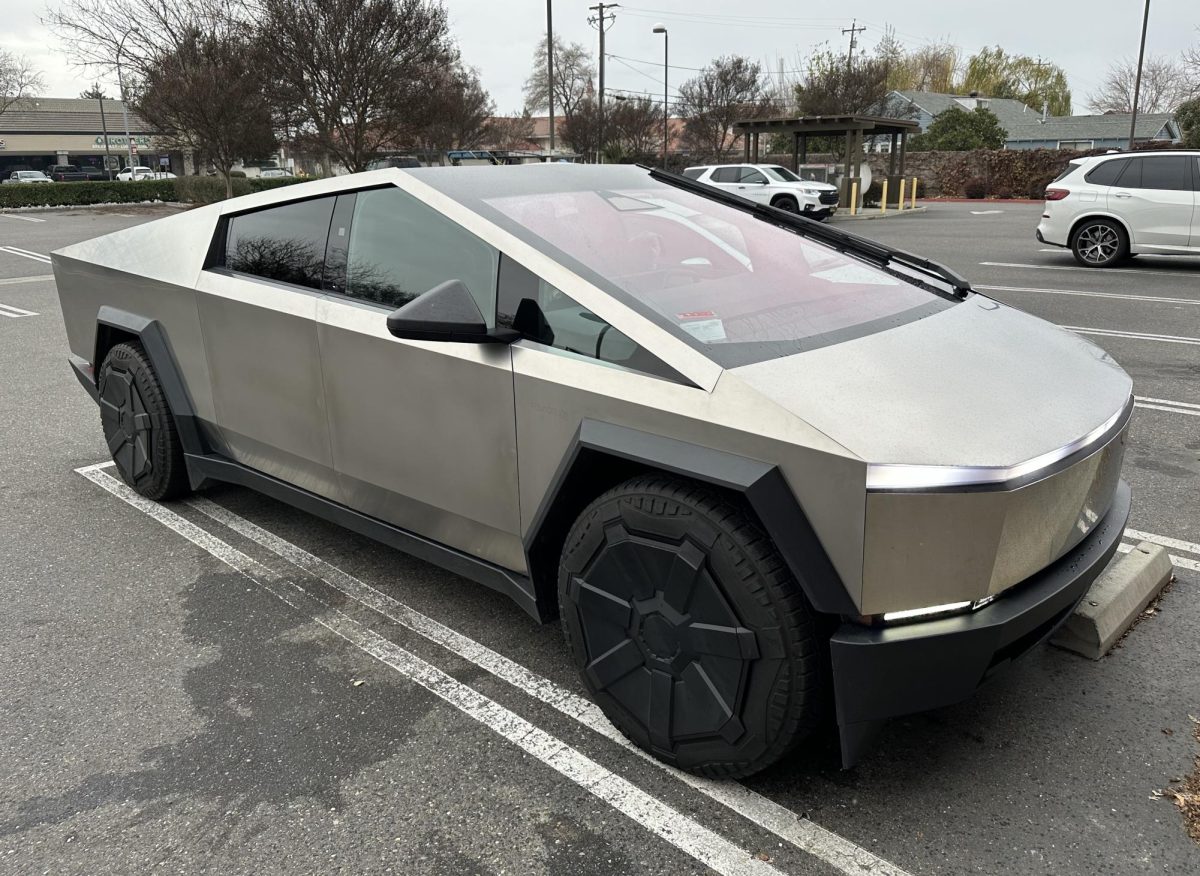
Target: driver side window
(546, 315)
(750, 175)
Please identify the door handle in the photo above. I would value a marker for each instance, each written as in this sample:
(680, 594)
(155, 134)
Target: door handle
(1122, 195)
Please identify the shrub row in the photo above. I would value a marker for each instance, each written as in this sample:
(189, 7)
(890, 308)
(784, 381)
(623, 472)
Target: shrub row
(184, 189)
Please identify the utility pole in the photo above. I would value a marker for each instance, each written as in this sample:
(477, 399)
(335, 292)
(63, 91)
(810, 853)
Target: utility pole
(601, 22)
(854, 30)
(550, 70)
(104, 128)
(1137, 83)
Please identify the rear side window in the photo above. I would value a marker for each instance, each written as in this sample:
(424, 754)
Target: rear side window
(1170, 172)
(546, 315)
(1106, 172)
(694, 172)
(284, 243)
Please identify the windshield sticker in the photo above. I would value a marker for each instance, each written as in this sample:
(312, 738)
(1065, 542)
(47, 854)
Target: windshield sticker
(859, 275)
(705, 330)
(696, 314)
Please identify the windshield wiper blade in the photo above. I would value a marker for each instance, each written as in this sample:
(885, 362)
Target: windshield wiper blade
(843, 241)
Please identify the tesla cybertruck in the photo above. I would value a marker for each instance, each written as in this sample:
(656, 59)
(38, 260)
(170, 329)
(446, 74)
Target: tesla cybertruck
(765, 470)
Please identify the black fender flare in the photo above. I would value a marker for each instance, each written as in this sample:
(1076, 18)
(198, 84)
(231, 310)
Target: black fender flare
(153, 338)
(762, 485)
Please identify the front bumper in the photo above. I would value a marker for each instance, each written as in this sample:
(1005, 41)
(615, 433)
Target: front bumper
(884, 672)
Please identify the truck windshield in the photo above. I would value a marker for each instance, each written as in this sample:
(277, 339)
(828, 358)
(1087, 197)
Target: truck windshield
(740, 289)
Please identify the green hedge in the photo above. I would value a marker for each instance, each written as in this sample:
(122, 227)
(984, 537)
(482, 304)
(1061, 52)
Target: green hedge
(185, 189)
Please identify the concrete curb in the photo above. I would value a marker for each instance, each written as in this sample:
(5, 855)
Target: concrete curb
(875, 214)
(1115, 600)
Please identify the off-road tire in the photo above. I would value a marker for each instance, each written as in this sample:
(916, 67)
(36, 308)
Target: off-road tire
(1099, 243)
(688, 628)
(138, 425)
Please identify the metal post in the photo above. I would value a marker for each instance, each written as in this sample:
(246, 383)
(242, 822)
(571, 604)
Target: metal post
(796, 153)
(125, 100)
(104, 128)
(900, 200)
(854, 198)
(659, 28)
(913, 204)
(903, 149)
(1137, 82)
(883, 199)
(550, 69)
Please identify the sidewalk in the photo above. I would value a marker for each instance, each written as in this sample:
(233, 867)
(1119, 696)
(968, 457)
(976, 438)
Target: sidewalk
(873, 213)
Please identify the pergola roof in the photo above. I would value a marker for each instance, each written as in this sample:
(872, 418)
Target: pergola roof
(827, 125)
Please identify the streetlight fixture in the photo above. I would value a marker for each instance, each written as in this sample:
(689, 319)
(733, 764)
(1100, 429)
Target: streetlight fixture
(662, 28)
(124, 99)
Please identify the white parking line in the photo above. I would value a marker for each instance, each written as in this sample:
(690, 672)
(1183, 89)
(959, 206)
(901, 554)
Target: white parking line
(14, 312)
(1092, 270)
(1162, 404)
(1138, 336)
(1178, 562)
(14, 281)
(800, 832)
(687, 835)
(22, 218)
(1165, 541)
(1155, 299)
(24, 253)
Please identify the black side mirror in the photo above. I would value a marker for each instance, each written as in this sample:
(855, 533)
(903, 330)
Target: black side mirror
(447, 312)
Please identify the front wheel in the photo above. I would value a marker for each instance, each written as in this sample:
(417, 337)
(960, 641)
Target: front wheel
(1099, 243)
(786, 203)
(688, 629)
(138, 425)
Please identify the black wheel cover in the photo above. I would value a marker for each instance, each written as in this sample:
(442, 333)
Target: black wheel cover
(128, 426)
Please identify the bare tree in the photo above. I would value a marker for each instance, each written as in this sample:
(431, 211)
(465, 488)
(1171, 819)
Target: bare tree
(18, 80)
(511, 132)
(728, 89)
(574, 72)
(206, 95)
(635, 124)
(356, 71)
(831, 87)
(1165, 85)
(460, 111)
(581, 129)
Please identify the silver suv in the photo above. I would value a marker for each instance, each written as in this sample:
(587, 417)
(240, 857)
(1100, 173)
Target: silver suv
(1108, 207)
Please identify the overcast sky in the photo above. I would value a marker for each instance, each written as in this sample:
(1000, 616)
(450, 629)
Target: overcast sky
(499, 37)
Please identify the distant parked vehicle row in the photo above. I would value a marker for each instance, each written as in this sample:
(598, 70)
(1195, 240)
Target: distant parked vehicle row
(1106, 208)
(140, 172)
(770, 184)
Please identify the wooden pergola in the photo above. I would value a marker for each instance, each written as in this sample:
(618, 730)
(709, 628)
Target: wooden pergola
(852, 128)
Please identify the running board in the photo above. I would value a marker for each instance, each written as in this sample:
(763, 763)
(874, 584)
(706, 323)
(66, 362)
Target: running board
(206, 469)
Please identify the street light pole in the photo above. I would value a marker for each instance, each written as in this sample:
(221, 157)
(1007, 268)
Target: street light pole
(1137, 83)
(125, 99)
(550, 71)
(660, 28)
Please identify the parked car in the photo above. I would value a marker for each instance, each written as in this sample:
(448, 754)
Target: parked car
(66, 173)
(141, 172)
(1105, 208)
(758, 464)
(94, 173)
(770, 184)
(394, 161)
(27, 176)
(274, 173)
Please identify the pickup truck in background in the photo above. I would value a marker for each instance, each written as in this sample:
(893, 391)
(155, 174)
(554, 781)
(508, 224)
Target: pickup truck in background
(66, 173)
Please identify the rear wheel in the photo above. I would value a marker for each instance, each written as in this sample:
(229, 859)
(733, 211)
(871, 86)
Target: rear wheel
(138, 425)
(1099, 243)
(688, 629)
(787, 203)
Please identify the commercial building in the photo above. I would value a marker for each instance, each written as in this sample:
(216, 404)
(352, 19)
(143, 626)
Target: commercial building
(1026, 128)
(36, 133)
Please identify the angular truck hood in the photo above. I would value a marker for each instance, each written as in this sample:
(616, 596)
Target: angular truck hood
(979, 384)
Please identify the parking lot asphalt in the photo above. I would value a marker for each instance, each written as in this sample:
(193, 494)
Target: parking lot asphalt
(229, 685)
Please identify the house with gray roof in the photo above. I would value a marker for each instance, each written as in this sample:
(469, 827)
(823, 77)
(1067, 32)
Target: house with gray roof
(1027, 129)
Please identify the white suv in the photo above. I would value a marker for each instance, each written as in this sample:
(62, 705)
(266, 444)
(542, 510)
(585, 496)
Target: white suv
(1108, 207)
(770, 184)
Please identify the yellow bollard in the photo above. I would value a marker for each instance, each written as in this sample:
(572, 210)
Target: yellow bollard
(914, 193)
(883, 200)
(900, 202)
(854, 198)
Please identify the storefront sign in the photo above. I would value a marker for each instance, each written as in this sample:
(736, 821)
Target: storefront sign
(120, 142)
